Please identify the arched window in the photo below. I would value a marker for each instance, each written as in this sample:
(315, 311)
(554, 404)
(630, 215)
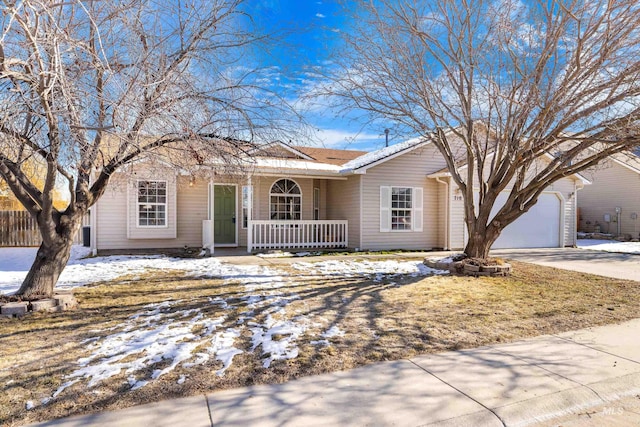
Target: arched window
(286, 200)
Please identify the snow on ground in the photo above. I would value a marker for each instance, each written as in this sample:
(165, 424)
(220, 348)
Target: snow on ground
(333, 331)
(279, 254)
(610, 246)
(187, 338)
(156, 334)
(275, 255)
(163, 333)
(284, 346)
(15, 263)
(377, 269)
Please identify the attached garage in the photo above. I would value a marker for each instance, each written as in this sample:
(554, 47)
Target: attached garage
(551, 222)
(540, 227)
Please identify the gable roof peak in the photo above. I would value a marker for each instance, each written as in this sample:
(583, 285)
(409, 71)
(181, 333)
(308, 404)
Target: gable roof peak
(373, 158)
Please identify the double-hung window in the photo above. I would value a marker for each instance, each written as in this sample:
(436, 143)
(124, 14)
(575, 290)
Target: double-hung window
(401, 213)
(152, 203)
(400, 209)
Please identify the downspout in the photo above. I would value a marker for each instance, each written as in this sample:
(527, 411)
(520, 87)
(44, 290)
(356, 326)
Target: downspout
(93, 226)
(249, 215)
(446, 216)
(579, 185)
(360, 213)
(210, 216)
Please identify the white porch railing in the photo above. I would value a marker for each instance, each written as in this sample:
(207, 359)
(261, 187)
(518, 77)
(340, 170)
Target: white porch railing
(297, 234)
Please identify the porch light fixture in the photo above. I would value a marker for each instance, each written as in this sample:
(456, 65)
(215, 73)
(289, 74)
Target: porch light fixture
(192, 181)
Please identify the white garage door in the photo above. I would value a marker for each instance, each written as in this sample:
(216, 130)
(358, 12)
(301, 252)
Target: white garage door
(538, 228)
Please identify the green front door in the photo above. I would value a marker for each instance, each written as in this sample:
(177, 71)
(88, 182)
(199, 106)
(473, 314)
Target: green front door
(224, 214)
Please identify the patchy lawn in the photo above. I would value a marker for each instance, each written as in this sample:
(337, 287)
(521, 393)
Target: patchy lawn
(200, 325)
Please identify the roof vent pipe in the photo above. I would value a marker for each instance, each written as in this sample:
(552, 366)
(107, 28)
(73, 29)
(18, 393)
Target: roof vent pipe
(386, 137)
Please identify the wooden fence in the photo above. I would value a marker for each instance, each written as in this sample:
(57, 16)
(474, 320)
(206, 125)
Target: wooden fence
(19, 228)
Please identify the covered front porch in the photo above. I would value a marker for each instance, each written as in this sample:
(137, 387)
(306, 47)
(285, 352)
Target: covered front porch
(269, 213)
(266, 235)
(316, 234)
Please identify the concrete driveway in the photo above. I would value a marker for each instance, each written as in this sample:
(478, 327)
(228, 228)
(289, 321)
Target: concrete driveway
(619, 266)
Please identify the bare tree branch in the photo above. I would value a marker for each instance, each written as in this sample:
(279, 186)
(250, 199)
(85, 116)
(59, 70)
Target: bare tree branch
(499, 86)
(88, 87)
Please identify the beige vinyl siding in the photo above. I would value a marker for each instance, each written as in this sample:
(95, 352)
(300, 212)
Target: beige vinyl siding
(442, 211)
(456, 218)
(407, 170)
(322, 185)
(613, 185)
(343, 203)
(191, 205)
(191, 208)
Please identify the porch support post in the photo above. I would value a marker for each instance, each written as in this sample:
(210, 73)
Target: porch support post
(211, 226)
(249, 215)
(346, 234)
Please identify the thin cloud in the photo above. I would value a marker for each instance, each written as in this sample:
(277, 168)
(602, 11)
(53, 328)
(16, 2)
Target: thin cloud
(335, 138)
(319, 15)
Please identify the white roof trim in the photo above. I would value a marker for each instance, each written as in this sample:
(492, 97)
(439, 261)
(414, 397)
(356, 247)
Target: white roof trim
(439, 175)
(620, 162)
(448, 174)
(268, 165)
(298, 174)
(623, 164)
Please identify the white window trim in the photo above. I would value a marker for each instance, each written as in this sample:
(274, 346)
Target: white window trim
(249, 205)
(316, 203)
(299, 196)
(166, 204)
(417, 201)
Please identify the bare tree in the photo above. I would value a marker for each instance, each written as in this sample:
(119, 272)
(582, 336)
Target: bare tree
(89, 86)
(523, 93)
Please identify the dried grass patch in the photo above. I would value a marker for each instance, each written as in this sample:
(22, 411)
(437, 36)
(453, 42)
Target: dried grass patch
(397, 317)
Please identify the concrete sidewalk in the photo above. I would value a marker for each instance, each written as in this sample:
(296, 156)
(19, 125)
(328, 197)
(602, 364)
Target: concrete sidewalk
(577, 378)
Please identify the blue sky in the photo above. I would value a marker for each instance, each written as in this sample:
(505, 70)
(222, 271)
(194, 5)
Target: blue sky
(311, 33)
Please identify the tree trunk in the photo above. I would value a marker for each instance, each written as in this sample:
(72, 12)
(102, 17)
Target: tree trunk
(46, 269)
(478, 246)
(52, 257)
(480, 240)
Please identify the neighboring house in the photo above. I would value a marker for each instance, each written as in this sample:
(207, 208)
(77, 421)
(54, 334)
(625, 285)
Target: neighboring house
(611, 204)
(398, 197)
